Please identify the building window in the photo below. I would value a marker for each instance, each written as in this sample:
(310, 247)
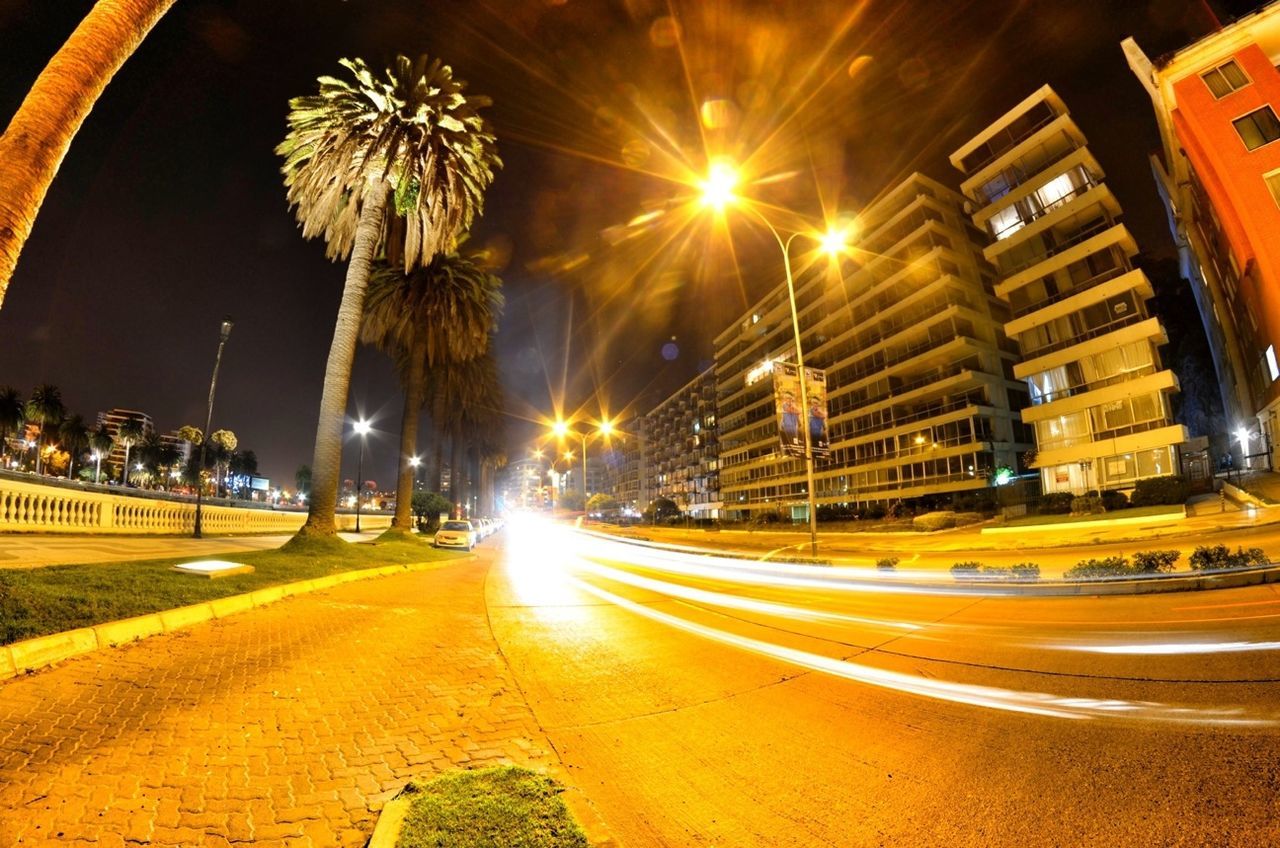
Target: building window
(1258, 127)
(1225, 79)
(1273, 183)
(1272, 366)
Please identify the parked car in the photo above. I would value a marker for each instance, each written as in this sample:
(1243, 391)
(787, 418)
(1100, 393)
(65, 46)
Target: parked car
(456, 534)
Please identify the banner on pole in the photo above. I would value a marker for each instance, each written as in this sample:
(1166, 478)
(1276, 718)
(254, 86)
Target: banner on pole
(786, 394)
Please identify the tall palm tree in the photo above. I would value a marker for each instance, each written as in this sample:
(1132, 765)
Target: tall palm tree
(128, 434)
(100, 442)
(443, 312)
(45, 406)
(37, 139)
(396, 164)
(466, 398)
(13, 414)
(74, 435)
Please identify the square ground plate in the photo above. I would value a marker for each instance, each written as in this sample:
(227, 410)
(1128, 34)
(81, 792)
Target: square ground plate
(213, 568)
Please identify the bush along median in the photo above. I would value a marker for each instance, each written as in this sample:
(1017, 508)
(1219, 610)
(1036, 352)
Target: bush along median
(1144, 563)
(1023, 572)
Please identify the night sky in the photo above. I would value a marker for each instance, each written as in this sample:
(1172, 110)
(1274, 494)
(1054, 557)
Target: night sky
(169, 210)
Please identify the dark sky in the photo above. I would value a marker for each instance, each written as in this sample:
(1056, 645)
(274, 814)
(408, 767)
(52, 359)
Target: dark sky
(169, 210)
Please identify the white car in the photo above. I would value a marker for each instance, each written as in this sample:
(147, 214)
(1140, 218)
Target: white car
(456, 534)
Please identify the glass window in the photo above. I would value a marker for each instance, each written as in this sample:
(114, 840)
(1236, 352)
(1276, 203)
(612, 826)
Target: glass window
(1273, 183)
(1272, 367)
(1006, 222)
(1225, 79)
(1258, 128)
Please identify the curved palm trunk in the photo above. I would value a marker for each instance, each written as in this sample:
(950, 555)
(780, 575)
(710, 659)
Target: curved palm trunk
(325, 467)
(33, 146)
(124, 472)
(413, 396)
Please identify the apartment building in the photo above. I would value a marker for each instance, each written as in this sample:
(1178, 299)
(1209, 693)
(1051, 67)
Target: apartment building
(112, 419)
(680, 449)
(922, 402)
(1076, 306)
(521, 484)
(1217, 105)
(629, 483)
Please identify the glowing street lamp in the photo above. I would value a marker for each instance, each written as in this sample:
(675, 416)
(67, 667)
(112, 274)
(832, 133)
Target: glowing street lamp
(561, 430)
(717, 192)
(362, 429)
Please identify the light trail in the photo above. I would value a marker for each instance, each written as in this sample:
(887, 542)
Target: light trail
(1008, 700)
(1171, 649)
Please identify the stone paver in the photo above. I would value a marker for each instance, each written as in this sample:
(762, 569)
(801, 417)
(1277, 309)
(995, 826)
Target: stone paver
(289, 725)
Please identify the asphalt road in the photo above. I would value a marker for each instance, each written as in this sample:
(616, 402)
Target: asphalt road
(703, 705)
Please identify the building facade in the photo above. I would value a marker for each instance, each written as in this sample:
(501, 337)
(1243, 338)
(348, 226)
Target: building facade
(1217, 104)
(522, 485)
(679, 449)
(112, 419)
(1076, 306)
(921, 397)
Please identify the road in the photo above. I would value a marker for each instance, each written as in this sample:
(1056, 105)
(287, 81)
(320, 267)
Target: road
(697, 708)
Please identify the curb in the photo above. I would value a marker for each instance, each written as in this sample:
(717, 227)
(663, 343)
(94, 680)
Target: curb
(33, 654)
(1170, 517)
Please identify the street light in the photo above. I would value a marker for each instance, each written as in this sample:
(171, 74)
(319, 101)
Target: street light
(362, 428)
(414, 462)
(224, 333)
(561, 430)
(717, 192)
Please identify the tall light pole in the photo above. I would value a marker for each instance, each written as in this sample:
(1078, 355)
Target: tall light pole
(223, 334)
(718, 192)
(362, 428)
(561, 429)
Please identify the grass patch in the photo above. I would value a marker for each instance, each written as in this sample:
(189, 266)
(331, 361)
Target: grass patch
(507, 806)
(39, 601)
(1131, 512)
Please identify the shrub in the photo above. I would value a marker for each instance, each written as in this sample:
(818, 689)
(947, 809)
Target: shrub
(1155, 562)
(966, 518)
(931, 521)
(767, 516)
(1087, 505)
(1112, 566)
(875, 512)
(887, 563)
(1114, 500)
(1160, 490)
(427, 507)
(1056, 503)
(1023, 572)
(1215, 557)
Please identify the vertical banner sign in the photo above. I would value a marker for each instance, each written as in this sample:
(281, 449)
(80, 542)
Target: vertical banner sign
(790, 416)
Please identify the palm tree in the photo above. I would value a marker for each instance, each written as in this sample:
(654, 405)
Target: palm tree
(431, 315)
(100, 442)
(74, 435)
(222, 444)
(128, 434)
(466, 399)
(13, 414)
(37, 139)
(45, 405)
(410, 144)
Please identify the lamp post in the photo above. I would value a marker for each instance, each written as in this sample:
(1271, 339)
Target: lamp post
(97, 471)
(362, 428)
(561, 429)
(414, 462)
(224, 333)
(718, 191)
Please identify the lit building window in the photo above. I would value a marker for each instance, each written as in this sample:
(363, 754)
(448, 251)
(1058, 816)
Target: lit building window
(1272, 367)
(1257, 128)
(1273, 183)
(1225, 79)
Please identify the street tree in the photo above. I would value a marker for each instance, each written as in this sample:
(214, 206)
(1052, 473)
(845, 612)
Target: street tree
(395, 165)
(73, 433)
(100, 442)
(602, 502)
(422, 319)
(128, 434)
(13, 414)
(44, 407)
(222, 444)
(37, 138)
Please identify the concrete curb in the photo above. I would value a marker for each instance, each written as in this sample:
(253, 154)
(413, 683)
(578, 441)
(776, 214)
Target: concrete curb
(34, 654)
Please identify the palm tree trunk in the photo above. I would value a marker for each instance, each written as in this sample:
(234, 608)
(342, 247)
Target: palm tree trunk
(455, 471)
(40, 433)
(326, 465)
(413, 396)
(436, 471)
(124, 472)
(37, 139)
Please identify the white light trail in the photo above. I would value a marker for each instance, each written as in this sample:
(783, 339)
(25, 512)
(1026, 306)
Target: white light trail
(1175, 648)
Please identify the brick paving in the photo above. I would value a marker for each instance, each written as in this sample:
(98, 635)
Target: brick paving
(289, 725)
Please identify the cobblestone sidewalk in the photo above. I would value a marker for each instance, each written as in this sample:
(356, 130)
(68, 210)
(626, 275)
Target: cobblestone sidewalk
(289, 725)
